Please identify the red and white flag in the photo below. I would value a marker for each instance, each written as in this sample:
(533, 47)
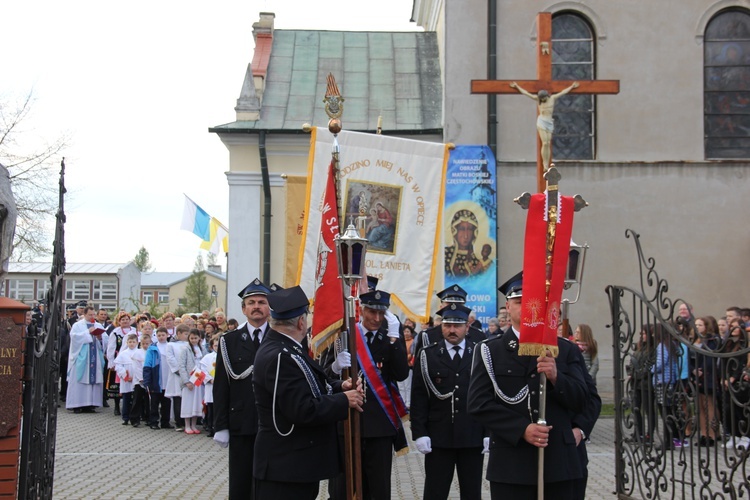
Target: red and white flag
(328, 311)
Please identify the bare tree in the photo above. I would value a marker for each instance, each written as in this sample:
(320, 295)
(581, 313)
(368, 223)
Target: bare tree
(33, 176)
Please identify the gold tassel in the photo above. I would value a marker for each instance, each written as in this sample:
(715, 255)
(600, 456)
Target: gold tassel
(402, 452)
(536, 349)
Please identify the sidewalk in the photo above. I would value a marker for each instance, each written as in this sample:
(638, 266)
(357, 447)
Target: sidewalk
(97, 457)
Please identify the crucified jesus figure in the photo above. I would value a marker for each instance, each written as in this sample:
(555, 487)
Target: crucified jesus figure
(544, 124)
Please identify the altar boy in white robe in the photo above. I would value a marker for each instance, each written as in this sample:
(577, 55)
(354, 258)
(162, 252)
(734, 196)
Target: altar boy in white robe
(85, 364)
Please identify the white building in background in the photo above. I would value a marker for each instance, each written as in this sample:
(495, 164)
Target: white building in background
(107, 286)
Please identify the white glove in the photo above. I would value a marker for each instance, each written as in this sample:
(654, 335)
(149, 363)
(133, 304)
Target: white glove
(486, 448)
(343, 360)
(424, 445)
(222, 438)
(394, 326)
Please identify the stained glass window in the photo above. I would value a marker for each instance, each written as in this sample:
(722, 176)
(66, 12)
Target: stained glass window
(726, 63)
(573, 59)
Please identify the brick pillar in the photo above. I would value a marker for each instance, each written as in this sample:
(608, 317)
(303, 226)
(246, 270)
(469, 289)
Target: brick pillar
(12, 329)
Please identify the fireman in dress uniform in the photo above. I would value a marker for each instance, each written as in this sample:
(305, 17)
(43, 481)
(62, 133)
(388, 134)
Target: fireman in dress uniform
(235, 416)
(504, 398)
(440, 424)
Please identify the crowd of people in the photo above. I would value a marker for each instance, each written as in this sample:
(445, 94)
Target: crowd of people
(700, 396)
(156, 371)
(258, 391)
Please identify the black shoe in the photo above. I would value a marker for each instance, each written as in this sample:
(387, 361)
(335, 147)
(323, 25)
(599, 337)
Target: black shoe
(105, 404)
(88, 409)
(167, 426)
(77, 410)
(117, 411)
(124, 422)
(136, 424)
(154, 427)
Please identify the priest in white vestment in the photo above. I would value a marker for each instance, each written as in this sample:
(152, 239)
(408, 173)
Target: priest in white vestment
(85, 364)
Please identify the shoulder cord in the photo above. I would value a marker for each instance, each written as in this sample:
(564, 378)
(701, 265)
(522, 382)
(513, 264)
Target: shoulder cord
(311, 381)
(228, 365)
(273, 401)
(431, 386)
(518, 398)
(425, 340)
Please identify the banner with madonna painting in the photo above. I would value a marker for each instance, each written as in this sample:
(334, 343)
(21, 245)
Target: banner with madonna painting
(469, 228)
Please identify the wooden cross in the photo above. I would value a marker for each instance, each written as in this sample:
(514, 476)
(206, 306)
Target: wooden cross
(544, 81)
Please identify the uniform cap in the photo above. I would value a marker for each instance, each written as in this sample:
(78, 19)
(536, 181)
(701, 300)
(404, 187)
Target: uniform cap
(455, 313)
(256, 287)
(288, 303)
(453, 293)
(378, 300)
(513, 287)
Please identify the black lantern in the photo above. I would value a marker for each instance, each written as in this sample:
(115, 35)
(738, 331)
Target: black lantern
(350, 254)
(576, 261)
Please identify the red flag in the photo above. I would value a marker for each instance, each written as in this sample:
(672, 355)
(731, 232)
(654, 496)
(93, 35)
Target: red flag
(540, 309)
(328, 312)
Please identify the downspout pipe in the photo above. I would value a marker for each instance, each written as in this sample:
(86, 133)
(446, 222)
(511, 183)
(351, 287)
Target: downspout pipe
(492, 112)
(492, 75)
(266, 207)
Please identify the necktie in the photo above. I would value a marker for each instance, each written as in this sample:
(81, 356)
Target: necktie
(256, 338)
(457, 356)
(369, 338)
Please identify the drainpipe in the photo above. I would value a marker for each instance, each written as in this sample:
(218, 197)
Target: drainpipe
(492, 75)
(266, 207)
(492, 113)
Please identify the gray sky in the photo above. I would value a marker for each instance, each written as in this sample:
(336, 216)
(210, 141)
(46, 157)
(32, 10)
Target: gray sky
(137, 86)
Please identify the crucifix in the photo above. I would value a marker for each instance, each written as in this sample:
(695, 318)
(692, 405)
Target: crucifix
(545, 88)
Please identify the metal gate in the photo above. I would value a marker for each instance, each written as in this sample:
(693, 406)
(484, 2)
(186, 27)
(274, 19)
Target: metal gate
(41, 378)
(682, 413)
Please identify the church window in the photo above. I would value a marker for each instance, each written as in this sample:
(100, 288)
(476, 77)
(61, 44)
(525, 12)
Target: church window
(726, 91)
(573, 58)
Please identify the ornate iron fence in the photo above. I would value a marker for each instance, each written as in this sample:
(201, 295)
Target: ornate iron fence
(682, 425)
(41, 378)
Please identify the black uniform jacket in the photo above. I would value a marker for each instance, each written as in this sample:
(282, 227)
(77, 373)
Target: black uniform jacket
(512, 460)
(390, 360)
(234, 400)
(300, 407)
(431, 416)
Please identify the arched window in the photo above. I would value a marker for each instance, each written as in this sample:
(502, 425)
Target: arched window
(726, 94)
(573, 58)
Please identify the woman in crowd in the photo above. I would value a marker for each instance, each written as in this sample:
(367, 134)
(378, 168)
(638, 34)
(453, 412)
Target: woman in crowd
(664, 378)
(493, 328)
(641, 363)
(735, 390)
(702, 368)
(584, 338)
(114, 344)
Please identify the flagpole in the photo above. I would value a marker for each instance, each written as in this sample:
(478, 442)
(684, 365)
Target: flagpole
(352, 430)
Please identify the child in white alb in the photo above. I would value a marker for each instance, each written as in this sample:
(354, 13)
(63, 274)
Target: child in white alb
(125, 370)
(208, 365)
(192, 388)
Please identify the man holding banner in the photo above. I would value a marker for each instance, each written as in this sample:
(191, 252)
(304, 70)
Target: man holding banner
(504, 398)
(381, 355)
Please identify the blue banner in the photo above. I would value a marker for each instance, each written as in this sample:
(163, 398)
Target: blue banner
(470, 227)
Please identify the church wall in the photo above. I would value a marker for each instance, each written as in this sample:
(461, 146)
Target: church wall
(465, 49)
(651, 47)
(689, 217)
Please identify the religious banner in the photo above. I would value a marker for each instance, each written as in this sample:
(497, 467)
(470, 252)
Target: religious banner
(392, 191)
(470, 228)
(545, 262)
(328, 315)
(296, 187)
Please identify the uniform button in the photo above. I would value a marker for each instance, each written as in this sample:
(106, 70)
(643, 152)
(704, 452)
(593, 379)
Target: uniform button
(508, 371)
(457, 400)
(456, 387)
(533, 375)
(533, 393)
(536, 411)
